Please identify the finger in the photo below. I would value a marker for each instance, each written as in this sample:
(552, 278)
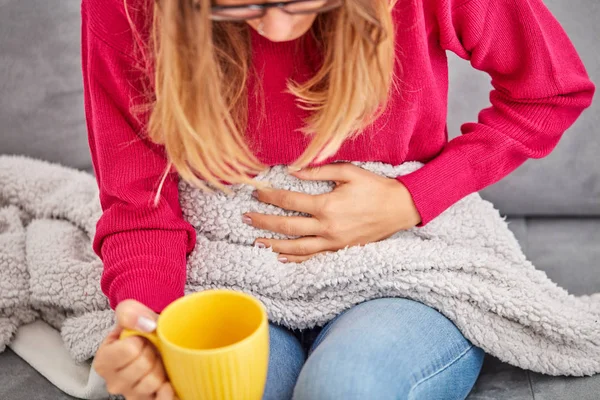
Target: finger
(299, 247)
(339, 172)
(121, 353)
(165, 392)
(298, 259)
(150, 383)
(134, 372)
(134, 315)
(288, 200)
(291, 226)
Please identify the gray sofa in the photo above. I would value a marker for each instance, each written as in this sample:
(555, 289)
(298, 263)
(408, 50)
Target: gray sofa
(553, 204)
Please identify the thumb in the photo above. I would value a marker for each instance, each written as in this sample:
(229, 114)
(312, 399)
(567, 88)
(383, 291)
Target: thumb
(132, 314)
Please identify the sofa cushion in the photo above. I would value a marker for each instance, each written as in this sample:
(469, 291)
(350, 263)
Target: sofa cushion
(568, 181)
(567, 249)
(499, 381)
(41, 95)
(18, 381)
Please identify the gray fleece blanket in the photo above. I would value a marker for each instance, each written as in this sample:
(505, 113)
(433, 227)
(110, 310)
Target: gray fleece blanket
(466, 264)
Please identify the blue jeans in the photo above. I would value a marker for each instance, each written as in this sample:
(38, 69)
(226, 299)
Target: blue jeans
(381, 349)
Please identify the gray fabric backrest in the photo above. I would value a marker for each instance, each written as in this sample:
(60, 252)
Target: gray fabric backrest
(567, 182)
(41, 95)
(41, 105)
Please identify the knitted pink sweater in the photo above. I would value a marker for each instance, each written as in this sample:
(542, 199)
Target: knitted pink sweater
(540, 89)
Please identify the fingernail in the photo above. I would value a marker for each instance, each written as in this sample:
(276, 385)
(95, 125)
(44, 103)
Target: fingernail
(145, 324)
(260, 245)
(282, 259)
(247, 220)
(294, 169)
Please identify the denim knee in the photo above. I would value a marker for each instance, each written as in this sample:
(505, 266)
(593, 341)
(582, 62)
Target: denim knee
(382, 349)
(335, 376)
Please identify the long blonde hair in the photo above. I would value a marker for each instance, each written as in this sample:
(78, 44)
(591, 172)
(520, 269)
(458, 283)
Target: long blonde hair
(200, 117)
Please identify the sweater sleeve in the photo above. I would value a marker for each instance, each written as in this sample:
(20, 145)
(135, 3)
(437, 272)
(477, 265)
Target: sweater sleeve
(540, 87)
(143, 247)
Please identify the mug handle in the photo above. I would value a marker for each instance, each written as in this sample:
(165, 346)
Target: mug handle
(152, 337)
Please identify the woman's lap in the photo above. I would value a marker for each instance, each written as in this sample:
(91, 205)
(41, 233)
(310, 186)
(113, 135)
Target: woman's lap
(385, 348)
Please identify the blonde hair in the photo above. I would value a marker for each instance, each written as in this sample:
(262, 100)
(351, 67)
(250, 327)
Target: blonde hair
(200, 117)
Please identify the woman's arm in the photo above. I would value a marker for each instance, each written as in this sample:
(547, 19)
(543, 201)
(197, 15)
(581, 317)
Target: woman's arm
(143, 247)
(540, 89)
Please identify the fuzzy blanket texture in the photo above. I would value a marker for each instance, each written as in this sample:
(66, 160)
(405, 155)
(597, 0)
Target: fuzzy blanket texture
(466, 264)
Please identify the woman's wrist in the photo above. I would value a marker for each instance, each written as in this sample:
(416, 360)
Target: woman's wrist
(406, 213)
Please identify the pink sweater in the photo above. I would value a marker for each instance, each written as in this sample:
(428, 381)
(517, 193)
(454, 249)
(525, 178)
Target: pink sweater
(540, 88)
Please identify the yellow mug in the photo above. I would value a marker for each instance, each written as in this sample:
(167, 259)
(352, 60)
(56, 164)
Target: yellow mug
(214, 345)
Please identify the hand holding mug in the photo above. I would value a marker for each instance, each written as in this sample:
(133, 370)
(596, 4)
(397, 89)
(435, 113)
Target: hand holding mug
(132, 367)
(214, 345)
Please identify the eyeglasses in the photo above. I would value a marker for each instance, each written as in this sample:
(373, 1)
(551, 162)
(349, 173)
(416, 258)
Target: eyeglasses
(244, 12)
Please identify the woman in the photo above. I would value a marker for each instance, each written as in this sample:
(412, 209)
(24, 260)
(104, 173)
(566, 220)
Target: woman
(236, 86)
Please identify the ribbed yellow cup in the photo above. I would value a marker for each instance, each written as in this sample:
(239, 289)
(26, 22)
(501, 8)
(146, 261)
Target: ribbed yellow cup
(214, 344)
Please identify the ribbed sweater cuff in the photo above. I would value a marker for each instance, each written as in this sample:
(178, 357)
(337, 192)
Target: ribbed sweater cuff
(147, 266)
(440, 183)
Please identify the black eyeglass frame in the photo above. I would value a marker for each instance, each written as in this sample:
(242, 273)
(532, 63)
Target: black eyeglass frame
(263, 7)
